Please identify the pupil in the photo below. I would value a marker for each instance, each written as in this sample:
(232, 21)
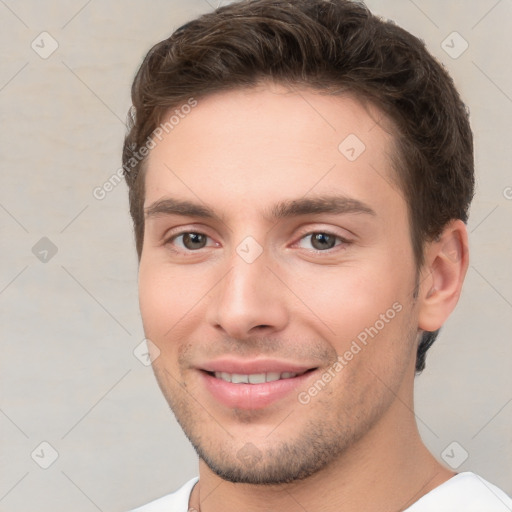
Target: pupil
(194, 240)
(323, 241)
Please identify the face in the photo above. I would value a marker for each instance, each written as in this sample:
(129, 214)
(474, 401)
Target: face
(276, 280)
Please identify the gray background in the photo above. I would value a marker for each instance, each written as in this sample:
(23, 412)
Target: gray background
(70, 323)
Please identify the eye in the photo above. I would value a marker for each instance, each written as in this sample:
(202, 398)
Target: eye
(320, 241)
(190, 240)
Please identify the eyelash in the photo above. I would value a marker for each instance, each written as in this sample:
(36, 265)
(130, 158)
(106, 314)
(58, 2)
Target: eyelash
(342, 241)
(171, 239)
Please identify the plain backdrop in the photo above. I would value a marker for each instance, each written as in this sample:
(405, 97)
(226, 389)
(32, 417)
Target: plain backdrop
(69, 319)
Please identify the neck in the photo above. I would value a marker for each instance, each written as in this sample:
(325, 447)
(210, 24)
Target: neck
(387, 469)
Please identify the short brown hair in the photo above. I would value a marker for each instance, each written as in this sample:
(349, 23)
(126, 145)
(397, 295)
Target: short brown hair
(332, 46)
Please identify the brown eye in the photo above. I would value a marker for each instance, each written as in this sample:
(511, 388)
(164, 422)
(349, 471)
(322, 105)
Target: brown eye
(191, 241)
(320, 241)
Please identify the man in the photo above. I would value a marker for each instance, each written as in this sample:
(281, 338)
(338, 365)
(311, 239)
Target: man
(300, 175)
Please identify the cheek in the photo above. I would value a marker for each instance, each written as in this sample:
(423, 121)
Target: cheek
(152, 297)
(161, 307)
(171, 299)
(349, 299)
(162, 299)
(366, 315)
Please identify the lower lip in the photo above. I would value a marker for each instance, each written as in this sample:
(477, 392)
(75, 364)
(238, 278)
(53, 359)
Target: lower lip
(252, 396)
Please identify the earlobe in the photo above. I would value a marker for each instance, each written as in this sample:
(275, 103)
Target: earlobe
(442, 276)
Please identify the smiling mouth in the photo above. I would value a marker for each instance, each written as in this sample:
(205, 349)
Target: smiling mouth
(256, 378)
(257, 389)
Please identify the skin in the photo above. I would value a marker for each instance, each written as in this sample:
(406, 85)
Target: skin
(355, 444)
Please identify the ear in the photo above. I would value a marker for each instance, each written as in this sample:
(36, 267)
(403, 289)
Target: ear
(443, 272)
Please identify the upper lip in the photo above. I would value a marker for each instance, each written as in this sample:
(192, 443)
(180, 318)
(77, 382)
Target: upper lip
(253, 366)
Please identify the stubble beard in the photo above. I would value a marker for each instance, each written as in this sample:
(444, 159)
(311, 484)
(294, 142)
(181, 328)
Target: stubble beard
(319, 443)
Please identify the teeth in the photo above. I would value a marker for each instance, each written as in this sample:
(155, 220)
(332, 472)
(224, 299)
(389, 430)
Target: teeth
(257, 378)
(272, 376)
(237, 378)
(254, 378)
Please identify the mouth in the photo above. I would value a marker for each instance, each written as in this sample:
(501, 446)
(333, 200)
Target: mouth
(256, 378)
(252, 387)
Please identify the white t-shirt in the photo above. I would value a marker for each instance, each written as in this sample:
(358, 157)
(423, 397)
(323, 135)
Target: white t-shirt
(464, 492)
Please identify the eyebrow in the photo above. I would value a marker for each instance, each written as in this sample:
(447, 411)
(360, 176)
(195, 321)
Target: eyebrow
(321, 204)
(171, 206)
(284, 209)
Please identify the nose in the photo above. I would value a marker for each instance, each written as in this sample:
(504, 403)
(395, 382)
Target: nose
(249, 300)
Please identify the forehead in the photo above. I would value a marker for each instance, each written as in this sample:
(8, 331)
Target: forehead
(272, 141)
